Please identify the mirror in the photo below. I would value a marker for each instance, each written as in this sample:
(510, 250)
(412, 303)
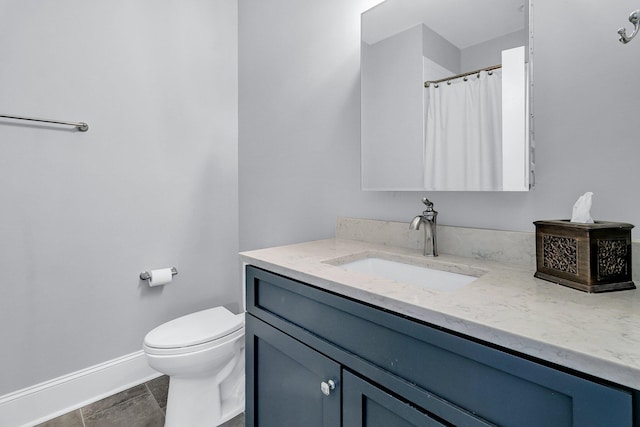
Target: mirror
(445, 96)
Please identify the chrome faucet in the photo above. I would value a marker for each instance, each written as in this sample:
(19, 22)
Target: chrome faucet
(428, 217)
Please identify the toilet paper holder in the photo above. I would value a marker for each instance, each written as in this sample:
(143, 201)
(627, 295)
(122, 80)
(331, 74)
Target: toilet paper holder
(145, 275)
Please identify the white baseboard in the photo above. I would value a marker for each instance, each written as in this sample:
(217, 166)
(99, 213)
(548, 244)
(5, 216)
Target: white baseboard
(47, 400)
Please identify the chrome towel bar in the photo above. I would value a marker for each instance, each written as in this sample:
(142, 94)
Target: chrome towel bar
(81, 126)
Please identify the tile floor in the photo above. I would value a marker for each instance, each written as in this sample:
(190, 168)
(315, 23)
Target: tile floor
(139, 406)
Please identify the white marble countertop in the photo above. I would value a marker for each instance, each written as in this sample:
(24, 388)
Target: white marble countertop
(597, 334)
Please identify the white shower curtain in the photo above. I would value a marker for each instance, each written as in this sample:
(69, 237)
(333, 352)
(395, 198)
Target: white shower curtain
(463, 134)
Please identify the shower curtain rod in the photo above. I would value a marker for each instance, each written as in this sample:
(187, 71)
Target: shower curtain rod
(429, 82)
(81, 126)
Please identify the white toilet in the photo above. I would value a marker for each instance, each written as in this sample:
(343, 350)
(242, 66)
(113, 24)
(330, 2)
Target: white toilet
(203, 355)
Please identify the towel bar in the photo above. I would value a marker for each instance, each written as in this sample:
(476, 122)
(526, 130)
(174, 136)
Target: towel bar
(81, 126)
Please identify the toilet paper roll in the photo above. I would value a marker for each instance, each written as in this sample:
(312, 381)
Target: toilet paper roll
(159, 277)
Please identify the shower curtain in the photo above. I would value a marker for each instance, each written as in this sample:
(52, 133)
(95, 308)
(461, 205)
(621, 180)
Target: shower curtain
(463, 134)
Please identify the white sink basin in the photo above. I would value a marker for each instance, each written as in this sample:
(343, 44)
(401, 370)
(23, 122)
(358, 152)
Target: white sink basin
(429, 278)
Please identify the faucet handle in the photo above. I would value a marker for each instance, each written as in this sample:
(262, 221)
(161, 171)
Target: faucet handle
(429, 214)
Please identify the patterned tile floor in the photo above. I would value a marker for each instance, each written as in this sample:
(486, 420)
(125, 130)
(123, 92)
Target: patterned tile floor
(139, 406)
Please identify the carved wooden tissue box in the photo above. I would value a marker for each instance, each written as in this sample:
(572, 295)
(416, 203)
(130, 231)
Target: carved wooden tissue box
(589, 257)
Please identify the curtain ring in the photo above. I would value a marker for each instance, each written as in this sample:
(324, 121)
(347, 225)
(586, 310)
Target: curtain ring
(490, 73)
(448, 82)
(437, 85)
(466, 79)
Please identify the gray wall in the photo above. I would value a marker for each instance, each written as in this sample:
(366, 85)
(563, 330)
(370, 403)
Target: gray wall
(440, 50)
(299, 123)
(392, 111)
(153, 183)
(489, 53)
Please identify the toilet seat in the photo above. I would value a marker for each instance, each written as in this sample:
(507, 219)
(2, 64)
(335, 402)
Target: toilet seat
(193, 349)
(194, 331)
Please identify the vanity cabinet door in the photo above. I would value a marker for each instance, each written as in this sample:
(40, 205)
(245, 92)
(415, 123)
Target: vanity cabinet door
(370, 406)
(284, 381)
(366, 404)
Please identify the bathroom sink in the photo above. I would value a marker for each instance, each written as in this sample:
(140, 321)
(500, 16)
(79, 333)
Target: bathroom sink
(425, 277)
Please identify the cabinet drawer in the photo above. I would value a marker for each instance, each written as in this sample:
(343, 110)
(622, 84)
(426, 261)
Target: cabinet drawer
(497, 386)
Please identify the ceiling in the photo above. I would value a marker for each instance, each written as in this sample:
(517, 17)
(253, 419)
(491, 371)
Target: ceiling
(463, 22)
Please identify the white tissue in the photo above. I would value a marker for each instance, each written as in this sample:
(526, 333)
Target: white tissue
(582, 209)
(160, 277)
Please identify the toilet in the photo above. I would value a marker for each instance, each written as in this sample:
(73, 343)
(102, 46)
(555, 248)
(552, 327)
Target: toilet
(203, 355)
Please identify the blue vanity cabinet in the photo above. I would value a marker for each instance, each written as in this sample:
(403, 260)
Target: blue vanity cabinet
(391, 370)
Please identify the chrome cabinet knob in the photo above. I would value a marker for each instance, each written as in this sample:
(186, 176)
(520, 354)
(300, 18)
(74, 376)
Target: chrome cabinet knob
(327, 386)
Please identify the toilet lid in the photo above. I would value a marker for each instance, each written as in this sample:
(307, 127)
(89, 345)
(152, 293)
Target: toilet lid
(195, 328)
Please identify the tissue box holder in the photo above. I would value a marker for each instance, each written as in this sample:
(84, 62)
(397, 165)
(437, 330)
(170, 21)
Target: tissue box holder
(589, 257)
